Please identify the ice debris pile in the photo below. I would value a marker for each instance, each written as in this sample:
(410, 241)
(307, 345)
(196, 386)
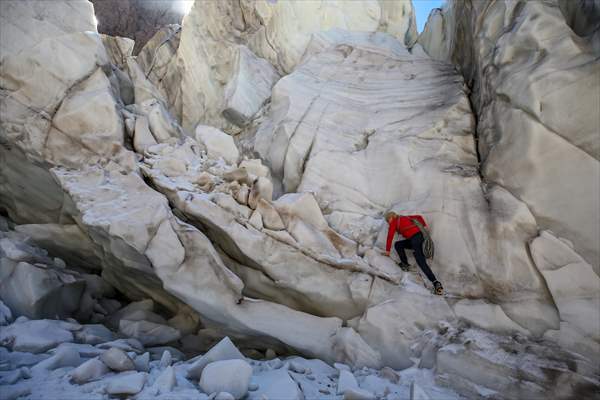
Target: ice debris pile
(55, 359)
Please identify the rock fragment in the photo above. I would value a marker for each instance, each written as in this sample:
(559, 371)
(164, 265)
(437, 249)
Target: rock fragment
(224, 350)
(166, 381)
(126, 383)
(142, 362)
(346, 381)
(231, 376)
(88, 371)
(63, 357)
(117, 360)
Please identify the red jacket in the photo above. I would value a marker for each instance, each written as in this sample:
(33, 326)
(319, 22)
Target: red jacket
(404, 226)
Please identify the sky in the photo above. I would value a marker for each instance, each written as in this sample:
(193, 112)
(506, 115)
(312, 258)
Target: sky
(422, 9)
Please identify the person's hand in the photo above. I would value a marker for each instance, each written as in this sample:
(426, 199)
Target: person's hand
(387, 253)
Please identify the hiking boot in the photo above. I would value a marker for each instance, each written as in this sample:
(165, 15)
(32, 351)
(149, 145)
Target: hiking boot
(404, 266)
(437, 288)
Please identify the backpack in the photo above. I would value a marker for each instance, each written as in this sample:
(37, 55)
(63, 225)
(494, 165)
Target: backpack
(428, 247)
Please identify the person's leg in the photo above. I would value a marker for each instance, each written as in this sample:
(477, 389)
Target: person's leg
(400, 245)
(417, 245)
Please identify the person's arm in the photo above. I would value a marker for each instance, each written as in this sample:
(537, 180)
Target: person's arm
(390, 236)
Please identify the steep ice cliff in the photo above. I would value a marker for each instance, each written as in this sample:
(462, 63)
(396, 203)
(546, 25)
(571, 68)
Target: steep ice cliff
(535, 77)
(231, 179)
(534, 73)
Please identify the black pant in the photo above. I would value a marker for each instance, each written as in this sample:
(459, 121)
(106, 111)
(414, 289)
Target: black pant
(415, 243)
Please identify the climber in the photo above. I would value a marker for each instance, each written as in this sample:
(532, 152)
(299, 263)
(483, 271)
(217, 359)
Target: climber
(413, 239)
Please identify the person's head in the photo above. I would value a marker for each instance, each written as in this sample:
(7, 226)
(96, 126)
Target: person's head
(389, 215)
